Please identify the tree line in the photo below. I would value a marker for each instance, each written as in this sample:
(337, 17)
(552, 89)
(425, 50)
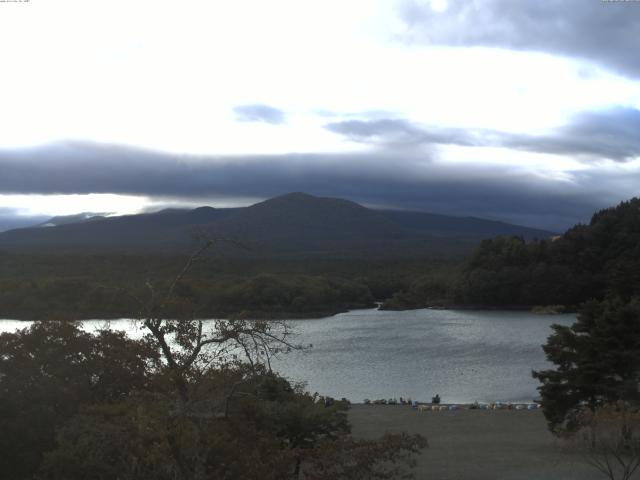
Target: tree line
(90, 286)
(594, 261)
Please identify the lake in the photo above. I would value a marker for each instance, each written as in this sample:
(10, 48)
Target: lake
(462, 355)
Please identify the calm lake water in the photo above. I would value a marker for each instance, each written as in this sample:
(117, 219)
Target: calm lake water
(462, 355)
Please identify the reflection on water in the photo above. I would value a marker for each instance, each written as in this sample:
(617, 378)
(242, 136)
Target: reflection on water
(462, 355)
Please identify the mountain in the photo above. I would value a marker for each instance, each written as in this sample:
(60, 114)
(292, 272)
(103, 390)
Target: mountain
(166, 230)
(66, 219)
(11, 222)
(292, 223)
(301, 222)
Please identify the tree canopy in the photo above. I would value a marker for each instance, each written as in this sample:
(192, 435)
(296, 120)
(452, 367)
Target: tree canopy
(52, 369)
(587, 262)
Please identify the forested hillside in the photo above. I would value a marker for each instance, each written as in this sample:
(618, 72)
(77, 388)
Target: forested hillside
(103, 286)
(587, 262)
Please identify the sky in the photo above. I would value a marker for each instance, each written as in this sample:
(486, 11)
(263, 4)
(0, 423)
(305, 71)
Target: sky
(526, 112)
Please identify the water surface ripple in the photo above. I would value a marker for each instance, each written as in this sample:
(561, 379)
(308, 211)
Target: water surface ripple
(462, 355)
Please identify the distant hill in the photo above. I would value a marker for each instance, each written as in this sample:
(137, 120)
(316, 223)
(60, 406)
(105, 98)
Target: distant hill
(67, 219)
(587, 262)
(295, 223)
(11, 222)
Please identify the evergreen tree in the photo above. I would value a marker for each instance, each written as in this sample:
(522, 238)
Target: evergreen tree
(597, 362)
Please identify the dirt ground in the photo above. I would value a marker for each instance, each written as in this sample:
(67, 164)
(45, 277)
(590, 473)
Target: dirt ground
(478, 444)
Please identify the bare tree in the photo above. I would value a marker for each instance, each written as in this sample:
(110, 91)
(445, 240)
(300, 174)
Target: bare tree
(610, 439)
(191, 347)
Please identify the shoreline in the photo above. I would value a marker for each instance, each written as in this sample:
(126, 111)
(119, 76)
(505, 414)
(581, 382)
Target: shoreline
(498, 404)
(318, 315)
(537, 309)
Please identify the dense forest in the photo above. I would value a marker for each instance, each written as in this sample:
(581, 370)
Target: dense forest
(587, 262)
(105, 286)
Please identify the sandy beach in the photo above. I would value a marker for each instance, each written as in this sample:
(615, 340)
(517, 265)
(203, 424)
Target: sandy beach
(477, 444)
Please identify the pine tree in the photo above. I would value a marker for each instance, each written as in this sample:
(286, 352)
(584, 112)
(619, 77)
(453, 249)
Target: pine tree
(597, 362)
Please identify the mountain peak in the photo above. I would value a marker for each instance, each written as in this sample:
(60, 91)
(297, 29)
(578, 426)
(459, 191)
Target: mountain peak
(302, 199)
(205, 209)
(294, 196)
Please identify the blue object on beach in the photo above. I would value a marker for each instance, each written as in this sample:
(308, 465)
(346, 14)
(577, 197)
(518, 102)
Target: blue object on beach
(532, 406)
(414, 404)
(453, 407)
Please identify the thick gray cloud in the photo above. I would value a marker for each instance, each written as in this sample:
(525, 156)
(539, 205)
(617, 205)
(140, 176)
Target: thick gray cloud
(600, 31)
(408, 181)
(259, 113)
(611, 134)
(399, 132)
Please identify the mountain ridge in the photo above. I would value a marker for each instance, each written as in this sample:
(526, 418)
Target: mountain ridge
(292, 223)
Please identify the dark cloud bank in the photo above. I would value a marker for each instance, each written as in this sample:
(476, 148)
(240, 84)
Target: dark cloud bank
(599, 31)
(612, 134)
(407, 181)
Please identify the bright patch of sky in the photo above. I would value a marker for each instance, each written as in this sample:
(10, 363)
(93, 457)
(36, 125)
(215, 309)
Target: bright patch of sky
(167, 75)
(108, 204)
(52, 205)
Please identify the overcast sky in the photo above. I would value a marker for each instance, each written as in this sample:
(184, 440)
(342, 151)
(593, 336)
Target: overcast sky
(517, 110)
